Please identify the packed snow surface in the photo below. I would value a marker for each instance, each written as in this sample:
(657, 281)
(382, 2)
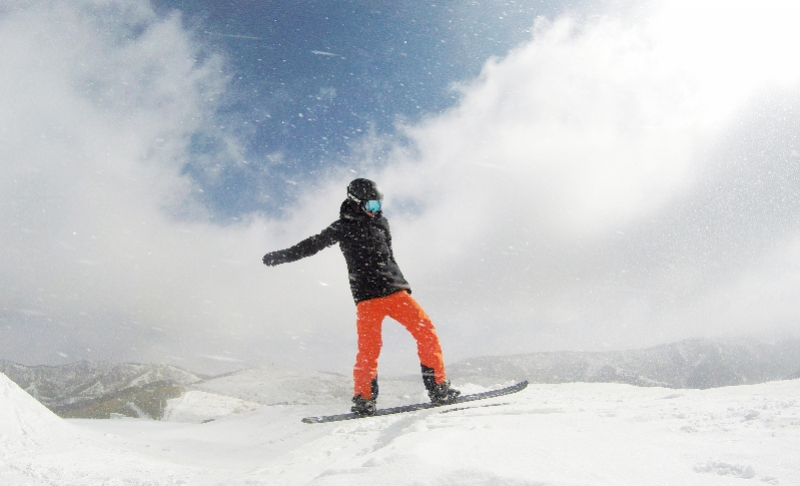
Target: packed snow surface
(567, 434)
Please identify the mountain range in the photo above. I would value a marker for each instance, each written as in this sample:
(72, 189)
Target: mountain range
(692, 363)
(100, 389)
(87, 389)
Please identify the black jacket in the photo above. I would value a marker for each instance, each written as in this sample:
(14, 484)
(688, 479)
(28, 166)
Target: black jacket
(366, 244)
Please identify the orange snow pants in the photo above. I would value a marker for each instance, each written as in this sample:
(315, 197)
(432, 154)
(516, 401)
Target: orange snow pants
(401, 307)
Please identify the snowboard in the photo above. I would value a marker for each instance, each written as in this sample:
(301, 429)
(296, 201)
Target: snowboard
(419, 406)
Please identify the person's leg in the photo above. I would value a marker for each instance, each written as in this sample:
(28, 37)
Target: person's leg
(405, 310)
(369, 317)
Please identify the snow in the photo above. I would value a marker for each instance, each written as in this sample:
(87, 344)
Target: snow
(568, 434)
(200, 407)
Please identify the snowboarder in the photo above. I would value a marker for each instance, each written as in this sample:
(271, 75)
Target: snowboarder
(379, 290)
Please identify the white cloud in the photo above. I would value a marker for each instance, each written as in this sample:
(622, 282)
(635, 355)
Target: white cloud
(568, 198)
(605, 184)
(102, 236)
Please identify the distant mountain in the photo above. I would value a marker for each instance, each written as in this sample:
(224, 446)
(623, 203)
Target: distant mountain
(100, 390)
(86, 389)
(693, 363)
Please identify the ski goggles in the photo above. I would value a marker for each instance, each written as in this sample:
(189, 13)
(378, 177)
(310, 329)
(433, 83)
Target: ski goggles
(372, 206)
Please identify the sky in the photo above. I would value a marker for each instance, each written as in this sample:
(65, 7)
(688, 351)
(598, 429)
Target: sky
(558, 176)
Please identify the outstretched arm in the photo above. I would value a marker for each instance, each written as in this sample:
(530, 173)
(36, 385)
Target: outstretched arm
(305, 248)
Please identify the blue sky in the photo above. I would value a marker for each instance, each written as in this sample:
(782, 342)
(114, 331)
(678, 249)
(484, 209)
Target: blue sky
(309, 79)
(561, 176)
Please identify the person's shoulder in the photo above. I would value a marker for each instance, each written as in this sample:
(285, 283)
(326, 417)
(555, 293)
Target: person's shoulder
(336, 225)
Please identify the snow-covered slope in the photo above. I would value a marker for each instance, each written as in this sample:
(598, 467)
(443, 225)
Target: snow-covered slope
(274, 385)
(23, 420)
(549, 434)
(200, 407)
(39, 448)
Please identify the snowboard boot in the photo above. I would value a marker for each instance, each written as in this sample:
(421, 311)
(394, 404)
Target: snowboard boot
(442, 393)
(439, 393)
(363, 406)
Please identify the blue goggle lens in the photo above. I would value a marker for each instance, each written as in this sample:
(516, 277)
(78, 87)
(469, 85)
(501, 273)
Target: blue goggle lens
(372, 206)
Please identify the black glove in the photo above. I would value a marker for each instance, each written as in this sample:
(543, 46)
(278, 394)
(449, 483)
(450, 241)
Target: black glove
(270, 259)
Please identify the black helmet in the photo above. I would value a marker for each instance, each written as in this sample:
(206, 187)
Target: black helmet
(362, 190)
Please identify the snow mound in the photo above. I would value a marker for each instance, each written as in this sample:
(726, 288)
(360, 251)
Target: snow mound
(200, 407)
(23, 420)
(37, 448)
